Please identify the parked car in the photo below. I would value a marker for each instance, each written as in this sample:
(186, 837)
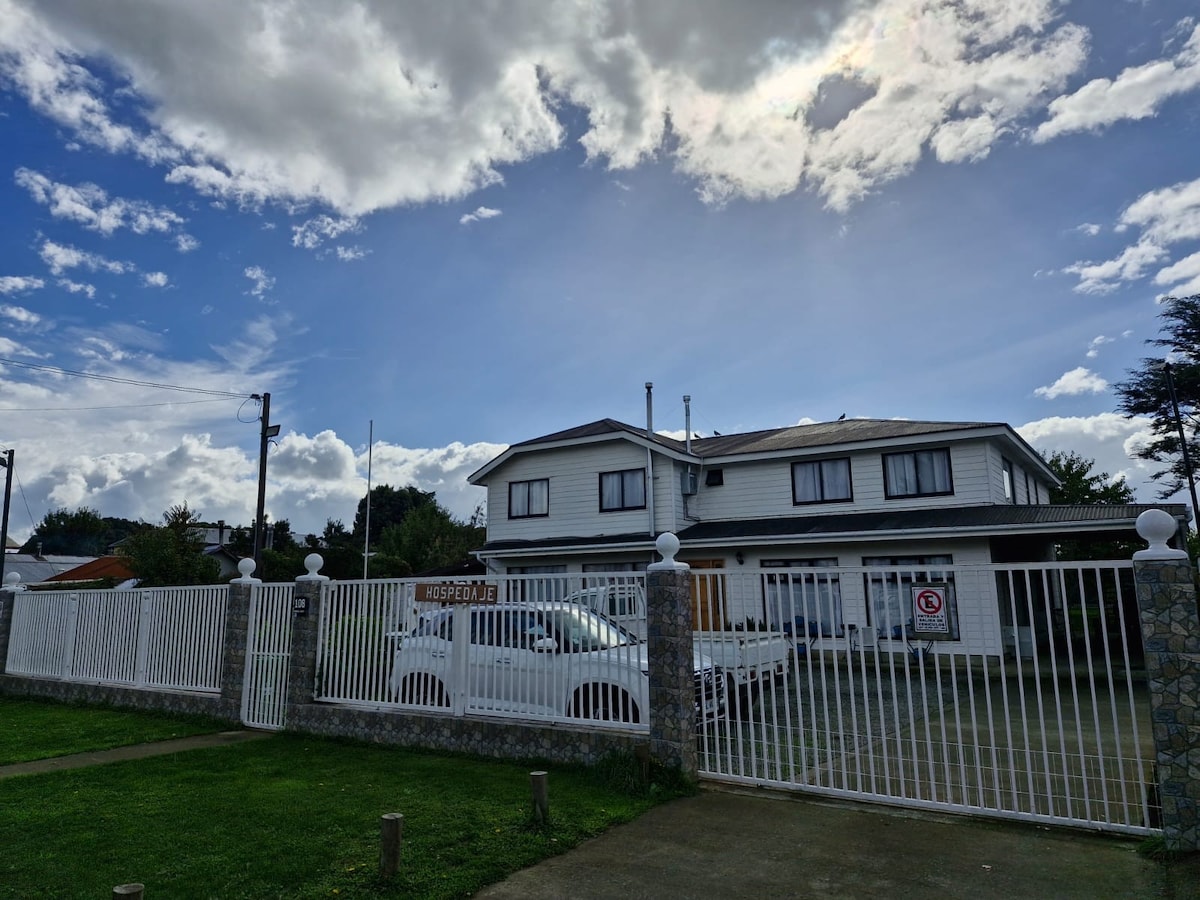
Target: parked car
(544, 659)
(749, 658)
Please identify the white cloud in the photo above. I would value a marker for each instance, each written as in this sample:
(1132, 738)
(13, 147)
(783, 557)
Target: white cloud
(77, 287)
(1095, 345)
(481, 213)
(24, 318)
(1107, 438)
(9, 347)
(185, 243)
(350, 254)
(262, 282)
(19, 284)
(1163, 218)
(311, 234)
(91, 207)
(60, 257)
(155, 279)
(1071, 384)
(1088, 228)
(370, 106)
(1137, 93)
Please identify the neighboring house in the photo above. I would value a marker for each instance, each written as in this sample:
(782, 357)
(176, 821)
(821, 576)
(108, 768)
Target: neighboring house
(99, 569)
(857, 492)
(34, 569)
(226, 558)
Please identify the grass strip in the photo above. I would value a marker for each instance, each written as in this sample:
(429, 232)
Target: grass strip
(40, 729)
(298, 817)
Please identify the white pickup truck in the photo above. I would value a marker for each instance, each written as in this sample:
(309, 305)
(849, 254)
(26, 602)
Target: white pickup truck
(749, 658)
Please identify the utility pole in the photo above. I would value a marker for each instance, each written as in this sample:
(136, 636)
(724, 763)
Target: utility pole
(7, 462)
(268, 431)
(1183, 444)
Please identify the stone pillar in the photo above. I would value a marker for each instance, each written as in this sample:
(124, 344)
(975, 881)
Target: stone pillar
(1166, 596)
(306, 611)
(237, 630)
(12, 587)
(672, 667)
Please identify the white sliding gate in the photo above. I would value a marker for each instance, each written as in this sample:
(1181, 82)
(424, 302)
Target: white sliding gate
(268, 653)
(1037, 711)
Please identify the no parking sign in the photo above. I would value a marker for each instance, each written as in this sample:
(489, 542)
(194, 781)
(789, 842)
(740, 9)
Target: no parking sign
(931, 611)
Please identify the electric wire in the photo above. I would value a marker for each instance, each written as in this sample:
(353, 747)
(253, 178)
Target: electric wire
(114, 379)
(117, 406)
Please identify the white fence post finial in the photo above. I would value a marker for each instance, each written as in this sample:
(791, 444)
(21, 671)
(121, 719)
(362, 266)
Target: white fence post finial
(12, 582)
(246, 567)
(313, 563)
(1156, 527)
(667, 546)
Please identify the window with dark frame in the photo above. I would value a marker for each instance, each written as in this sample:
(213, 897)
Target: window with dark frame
(714, 477)
(889, 608)
(821, 481)
(529, 499)
(804, 597)
(918, 473)
(622, 490)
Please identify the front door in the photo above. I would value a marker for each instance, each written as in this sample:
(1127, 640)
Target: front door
(708, 595)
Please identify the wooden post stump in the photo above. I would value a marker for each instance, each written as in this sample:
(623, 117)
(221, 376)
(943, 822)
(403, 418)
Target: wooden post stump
(541, 802)
(391, 830)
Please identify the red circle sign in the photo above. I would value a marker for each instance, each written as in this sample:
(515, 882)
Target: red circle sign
(929, 603)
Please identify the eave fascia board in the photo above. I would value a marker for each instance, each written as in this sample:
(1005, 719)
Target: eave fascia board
(528, 552)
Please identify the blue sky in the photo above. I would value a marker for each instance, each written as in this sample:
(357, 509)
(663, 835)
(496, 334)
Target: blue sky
(475, 228)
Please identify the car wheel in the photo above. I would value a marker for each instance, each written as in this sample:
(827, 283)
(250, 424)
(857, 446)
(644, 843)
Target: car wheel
(606, 703)
(422, 690)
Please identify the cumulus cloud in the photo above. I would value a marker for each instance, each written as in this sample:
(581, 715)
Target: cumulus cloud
(91, 206)
(483, 212)
(1108, 438)
(61, 257)
(311, 234)
(1162, 219)
(185, 243)
(350, 254)
(1071, 384)
(155, 279)
(1096, 343)
(78, 287)
(1137, 93)
(19, 284)
(1089, 228)
(370, 106)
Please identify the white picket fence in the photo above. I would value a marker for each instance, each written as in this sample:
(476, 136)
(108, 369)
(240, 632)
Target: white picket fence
(170, 638)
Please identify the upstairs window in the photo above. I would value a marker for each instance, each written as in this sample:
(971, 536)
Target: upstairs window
(527, 499)
(824, 481)
(1010, 493)
(623, 490)
(921, 473)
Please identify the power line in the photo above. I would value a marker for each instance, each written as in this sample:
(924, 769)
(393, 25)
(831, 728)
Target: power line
(114, 379)
(118, 406)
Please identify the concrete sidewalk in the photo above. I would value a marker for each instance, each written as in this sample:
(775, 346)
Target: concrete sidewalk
(133, 751)
(727, 844)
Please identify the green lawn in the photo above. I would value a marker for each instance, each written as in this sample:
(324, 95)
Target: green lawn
(36, 729)
(293, 817)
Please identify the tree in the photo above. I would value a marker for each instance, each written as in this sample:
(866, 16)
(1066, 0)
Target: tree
(429, 537)
(82, 532)
(1081, 485)
(173, 553)
(389, 506)
(1145, 392)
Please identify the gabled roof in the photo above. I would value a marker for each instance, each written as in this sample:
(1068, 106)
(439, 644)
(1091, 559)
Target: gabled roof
(842, 433)
(103, 567)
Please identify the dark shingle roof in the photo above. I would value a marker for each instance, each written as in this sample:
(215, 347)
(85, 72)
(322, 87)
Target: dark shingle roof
(600, 427)
(1046, 519)
(821, 434)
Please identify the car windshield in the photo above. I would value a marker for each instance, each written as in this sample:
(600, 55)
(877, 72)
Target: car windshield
(581, 631)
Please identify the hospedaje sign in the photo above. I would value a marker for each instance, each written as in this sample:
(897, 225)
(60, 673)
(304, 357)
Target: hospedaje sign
(449, 592)
(934, 612)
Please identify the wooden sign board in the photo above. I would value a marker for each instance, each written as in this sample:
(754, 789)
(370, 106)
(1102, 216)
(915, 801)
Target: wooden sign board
(456, 593)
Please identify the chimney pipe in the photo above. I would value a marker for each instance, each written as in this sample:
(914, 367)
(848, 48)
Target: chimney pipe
(687, 422)
(649, 409)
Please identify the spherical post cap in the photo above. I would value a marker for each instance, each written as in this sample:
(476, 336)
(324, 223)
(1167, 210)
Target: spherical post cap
(1156, 527)
(12, 579)
(246, 567)
(667, 546)
(313, 563)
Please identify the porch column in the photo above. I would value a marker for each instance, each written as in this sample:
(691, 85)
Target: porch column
(237, 629)
(306, 613)
(672, 669)
(1166, 594)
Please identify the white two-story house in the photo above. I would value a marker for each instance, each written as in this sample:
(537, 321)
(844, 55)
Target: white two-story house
(851, 493)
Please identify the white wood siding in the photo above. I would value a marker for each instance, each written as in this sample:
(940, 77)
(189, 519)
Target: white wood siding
(574, 476)
(763, 489)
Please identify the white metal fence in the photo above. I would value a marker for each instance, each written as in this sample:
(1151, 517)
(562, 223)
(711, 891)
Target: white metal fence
(1037, 708)
(156, 638)
(268, 656)
(540, 653)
